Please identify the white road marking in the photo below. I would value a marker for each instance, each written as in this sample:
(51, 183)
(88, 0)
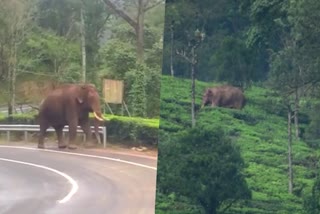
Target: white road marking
(84, 155)
(74, 184)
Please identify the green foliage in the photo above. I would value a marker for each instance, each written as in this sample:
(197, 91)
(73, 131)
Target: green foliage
(125, 130)
(52, 54)
(137, 93)
(312, 132)
(224, 51)
(311, 202)
(168, 204)
(232, 61)
(216, 178)
(153, 82)
(117, 57)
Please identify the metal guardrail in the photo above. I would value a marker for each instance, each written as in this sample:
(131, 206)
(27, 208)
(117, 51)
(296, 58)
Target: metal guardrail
(36, 128)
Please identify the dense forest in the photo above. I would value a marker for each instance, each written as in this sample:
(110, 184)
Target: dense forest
(67, 41)
(264, 158)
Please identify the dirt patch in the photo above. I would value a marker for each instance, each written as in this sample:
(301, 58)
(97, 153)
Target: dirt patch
(119, 149)
(34, 91)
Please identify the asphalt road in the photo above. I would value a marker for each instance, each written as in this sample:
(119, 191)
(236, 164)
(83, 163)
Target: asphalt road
(49, 182)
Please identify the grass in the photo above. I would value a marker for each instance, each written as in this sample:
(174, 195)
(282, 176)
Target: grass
(260, 131)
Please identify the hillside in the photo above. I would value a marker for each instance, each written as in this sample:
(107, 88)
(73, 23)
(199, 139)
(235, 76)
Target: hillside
(260, 130)
(29, 89)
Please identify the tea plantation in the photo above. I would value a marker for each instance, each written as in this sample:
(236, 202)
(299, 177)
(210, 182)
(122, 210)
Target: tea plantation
(260, 131)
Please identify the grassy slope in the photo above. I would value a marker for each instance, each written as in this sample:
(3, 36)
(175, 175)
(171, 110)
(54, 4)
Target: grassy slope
(260, 133)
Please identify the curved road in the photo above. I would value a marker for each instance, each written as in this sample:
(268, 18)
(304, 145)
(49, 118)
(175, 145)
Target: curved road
(53, 182)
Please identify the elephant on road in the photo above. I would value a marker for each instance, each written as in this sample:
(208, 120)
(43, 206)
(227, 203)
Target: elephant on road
(224, 96)
(70, 105)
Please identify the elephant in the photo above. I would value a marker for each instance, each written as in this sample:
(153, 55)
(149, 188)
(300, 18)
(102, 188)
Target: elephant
(69, 104)
(224, 96)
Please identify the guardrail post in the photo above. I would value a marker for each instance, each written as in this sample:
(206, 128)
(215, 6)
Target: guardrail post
(26, 136)
(104, 137)
(8, 136)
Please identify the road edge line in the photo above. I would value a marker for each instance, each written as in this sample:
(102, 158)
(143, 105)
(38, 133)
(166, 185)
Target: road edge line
(84, 155)
(74, 184)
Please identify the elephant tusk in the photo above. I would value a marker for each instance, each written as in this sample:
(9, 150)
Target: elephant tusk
(96, 116)
(201, 106)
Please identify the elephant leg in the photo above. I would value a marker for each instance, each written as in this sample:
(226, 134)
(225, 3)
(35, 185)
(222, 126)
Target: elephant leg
(43, 129)
(61, 144)
(72, 134)
(85, 126)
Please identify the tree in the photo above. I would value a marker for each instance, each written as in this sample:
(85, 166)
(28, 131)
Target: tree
(191, 57)
(83, 43)
(136, 23)
(17, 18)
(118, 60)
(290, 168)
(82, 22)
(203, 165)
(293, 68)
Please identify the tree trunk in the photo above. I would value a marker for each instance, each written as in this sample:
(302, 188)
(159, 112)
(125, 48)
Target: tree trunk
(171, 53)
(83, 46)
(290, 151)
(10, 101)
(12, 74)
(140, 31)
(14, 77)
(193, 84)
(296, 113)
(2, 69)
